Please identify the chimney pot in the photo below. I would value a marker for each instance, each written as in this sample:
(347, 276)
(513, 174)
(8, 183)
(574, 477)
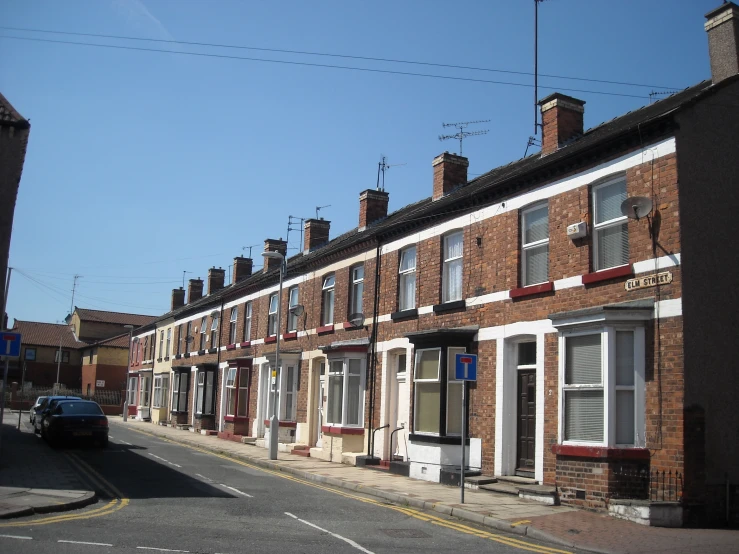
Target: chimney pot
(372, 207)
(450, 172)
(316, 234)
(178, 298)
(194, 290)
(722, 26)
(561, 121)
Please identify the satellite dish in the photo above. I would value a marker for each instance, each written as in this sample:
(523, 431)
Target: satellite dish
(636, 207)
(298, 310)
(356, 319)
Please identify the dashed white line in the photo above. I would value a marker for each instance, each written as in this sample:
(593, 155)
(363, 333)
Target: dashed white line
(165, 461)
(19, 537)
(236, 490)
(160, 549)
(204, 477)
(348, 541)
(88, 543)
(124, 442)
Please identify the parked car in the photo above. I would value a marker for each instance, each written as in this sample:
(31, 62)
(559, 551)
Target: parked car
(43, 409)
(32, 411)
(73, 420)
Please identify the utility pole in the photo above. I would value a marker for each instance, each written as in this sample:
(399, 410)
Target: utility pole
(7, 359)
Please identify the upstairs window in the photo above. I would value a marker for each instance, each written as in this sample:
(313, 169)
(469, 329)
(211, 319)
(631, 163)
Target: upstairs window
(452, 276)
(272, 317)
(232, 325)
(292, 318)
(161, 345)
(180, 338)
(407, 279)
(535, 245)
(203, 335)
(168, 351)
(188, 336)
(247, 322)
(327, 304)
(214, 332)
(357, 290)
(610, 228)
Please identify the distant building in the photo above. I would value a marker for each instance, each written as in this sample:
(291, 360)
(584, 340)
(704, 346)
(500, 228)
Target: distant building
(95, 325)
(104, 365)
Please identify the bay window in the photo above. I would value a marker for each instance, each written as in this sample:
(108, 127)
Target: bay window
(345, 399)
(327, 300)
(407, 279)
(610, 227)
(180, 390)
(356, 290)
(232, 325)
(438, 395)
(292, 318)
(535, 245)
(204, 393)
(452, 270)
(272, 315)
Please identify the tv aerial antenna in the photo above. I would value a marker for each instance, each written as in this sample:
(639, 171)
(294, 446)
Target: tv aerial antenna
(249, 247)
(382, 167)
(461, 134)
(319, 208)
(291, 222)
(184, 272)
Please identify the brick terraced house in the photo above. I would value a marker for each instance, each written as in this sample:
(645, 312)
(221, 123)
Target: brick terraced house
(603, 336)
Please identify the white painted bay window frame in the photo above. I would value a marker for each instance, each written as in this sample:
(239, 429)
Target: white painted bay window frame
(168, 351)
(424, 384)
(231, 391)
(351, 371)
(287, 389)
(532, 243)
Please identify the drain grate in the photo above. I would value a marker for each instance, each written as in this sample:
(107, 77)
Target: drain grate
(405, 533)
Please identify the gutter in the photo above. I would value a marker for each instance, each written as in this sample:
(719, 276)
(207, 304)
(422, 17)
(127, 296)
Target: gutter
(373, 345)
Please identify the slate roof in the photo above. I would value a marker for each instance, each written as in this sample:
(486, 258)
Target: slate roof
(34, 333)
(116, 318)
(9, 115)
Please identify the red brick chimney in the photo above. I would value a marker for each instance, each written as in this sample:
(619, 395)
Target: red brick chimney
(722, 26)
(372, 207)
(274, 245)
(561, 120)
(216, 279)
(178, 298)
(316, 234)
(450, 172)
(194, 290)
(242, 268)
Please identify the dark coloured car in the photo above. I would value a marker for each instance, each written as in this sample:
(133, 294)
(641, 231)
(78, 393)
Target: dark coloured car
(36, 406)
(75, 420)
(46, 405)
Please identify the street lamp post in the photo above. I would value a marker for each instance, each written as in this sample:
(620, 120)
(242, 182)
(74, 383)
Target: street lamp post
(274, 422)
(128, 370)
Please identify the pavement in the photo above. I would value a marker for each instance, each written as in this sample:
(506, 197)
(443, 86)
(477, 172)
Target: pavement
(565, 526)
(35, 479)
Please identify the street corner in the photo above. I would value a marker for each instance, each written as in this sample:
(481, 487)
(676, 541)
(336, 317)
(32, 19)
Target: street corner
(20, 502)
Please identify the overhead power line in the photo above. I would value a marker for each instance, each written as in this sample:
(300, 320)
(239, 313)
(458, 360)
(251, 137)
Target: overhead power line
(328, 66)
(326, 54)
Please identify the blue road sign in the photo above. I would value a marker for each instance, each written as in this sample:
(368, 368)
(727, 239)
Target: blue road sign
(10, 345)
(466, 367)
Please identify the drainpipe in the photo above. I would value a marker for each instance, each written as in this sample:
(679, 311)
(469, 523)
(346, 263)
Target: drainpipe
(373, 344)
(218, 369)
(153, 361)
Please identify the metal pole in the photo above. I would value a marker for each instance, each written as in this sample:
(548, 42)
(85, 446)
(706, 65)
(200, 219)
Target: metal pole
(23, 380)
(274, 422)
(464, 435)
(7, 359)
(128, 368)
(58, 365)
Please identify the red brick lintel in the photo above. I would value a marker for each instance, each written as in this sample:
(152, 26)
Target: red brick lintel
(325, 329)
(269, 340)
(235, 418)
(245, 344)
(600, 452)
(531, 290)
(288, 336)
(342, 430)
(606, 274)
(283, 423)
(231, 347)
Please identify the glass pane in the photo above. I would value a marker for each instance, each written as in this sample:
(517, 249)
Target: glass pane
(273, 304)
(527, 353)
(231, 399)
(454, 408)
(536, 225)
(613, 246)
(428, 364)
(584, 415)
(536, 265)
(408, 291)
(234, 313)
(328, 307)
(624, 417)
(408, 259)
(335, 398)
(357, 292)
(401, 363)
(453, 281)
(293, 296)
(242, 403)
(355, 367)
(328, 281)
(427, 407)
(608, 201)
(453, 246)
(209, 393)
(582, 360)
(358, 273)
(352, 399)
(624, 358)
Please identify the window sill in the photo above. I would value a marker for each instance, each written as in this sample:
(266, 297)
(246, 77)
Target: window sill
(231, 346)
(186, 355)
(325, 329)
(600, 452)
(232, 419)
(201, 352)
(270, 340)
(290, 336)
(166, 359)
(404, 314)
(281, 423)
(436, 439)
(531, 290)
(348, 325)
(449, 306)
(336, 430)
(245, 344)
(607, 274)
(212, 350)
(201, 416)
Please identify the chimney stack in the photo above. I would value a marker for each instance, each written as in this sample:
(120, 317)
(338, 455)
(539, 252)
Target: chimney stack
(216, 279)
(273, 245)
(561, 121)
(194, 290)
(372, 207)
(722, 26)
(178, 298)
(316, 234)
(242, 268)
(450, 172)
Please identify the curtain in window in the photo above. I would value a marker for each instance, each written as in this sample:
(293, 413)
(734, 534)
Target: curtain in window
(408, 279)
(536, 224)
(613, 246)
(536, 268)
(428, 402)
(453, 268)
(335, 398)
(353, 389)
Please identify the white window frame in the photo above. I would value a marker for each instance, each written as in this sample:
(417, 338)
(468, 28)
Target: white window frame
(231, 391)
(168, 351)
(272, 315)
(608, 383)
(356, 289)
(603, 225)
(133, 387)
(405, 275)
(526, 248)
(203, 334)
(416, 379)
(454, 382)
(289, 392)
(247, 322)
(344, 362)
(214, 331)
(328, 298)
(161, 344)
(199, 392)
(232, 320)
(448, 264)
(293, 296)
(157, 401)
(242, 378)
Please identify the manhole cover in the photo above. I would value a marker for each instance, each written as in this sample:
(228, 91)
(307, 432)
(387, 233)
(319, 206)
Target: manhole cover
(405, 533)
(573, 531)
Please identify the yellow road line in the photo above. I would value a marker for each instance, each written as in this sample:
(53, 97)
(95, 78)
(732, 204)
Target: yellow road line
(412, 512)
(97, 483)
(108, 485)
(517, 523)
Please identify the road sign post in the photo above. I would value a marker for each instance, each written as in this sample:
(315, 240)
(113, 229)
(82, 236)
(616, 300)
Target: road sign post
(10, 347)
(465, 369)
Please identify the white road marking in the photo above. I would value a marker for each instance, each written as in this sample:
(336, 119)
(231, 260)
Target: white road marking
(90, 543)
(348, 541)
(160, 549)
(124, 442)
(16, 537)
(204, 477)
(165, 461)
(236, 490)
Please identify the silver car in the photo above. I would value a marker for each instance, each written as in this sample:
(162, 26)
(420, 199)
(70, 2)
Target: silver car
(32, 414)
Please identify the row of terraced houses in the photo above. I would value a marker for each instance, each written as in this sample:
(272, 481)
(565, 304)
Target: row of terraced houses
(604, 340)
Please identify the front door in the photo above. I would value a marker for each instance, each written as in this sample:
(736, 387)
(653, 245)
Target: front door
(526, 423)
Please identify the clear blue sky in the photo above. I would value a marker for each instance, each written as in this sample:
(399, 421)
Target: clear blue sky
(144, 164)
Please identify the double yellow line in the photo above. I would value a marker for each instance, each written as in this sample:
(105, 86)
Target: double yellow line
(117, 502)
(411, 512)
